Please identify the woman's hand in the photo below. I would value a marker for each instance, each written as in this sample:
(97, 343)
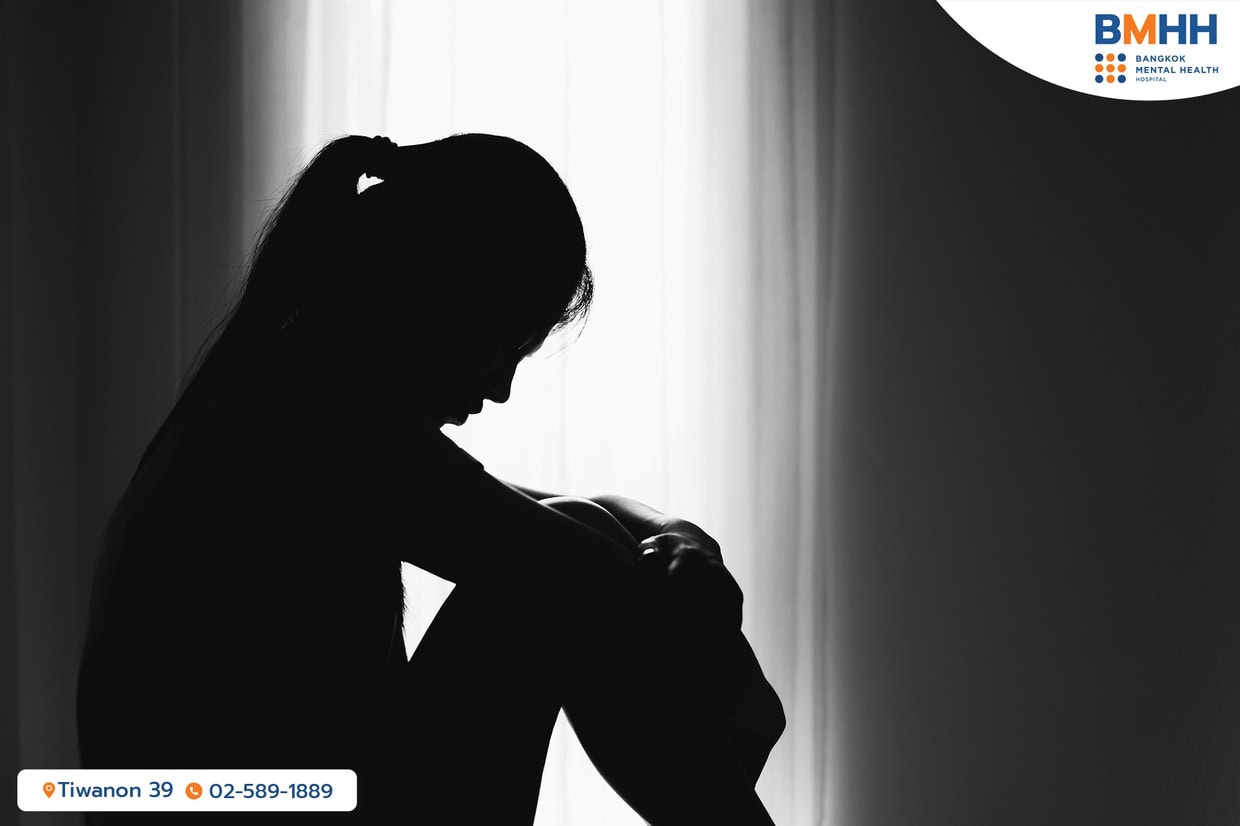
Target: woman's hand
(685, 570)
(682, 564)
(645, 523)
(683, 527)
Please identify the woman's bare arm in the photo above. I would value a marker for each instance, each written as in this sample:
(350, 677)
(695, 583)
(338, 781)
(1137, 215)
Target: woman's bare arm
(533, 493)
(491, 530)
(640, 520)
(407, 489)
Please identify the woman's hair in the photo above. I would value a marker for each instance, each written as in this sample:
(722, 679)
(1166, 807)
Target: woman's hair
(472, 235)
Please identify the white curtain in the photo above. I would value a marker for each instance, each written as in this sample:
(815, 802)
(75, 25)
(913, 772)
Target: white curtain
(691, 135)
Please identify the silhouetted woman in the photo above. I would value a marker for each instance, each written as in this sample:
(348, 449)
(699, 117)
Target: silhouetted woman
(247, 605)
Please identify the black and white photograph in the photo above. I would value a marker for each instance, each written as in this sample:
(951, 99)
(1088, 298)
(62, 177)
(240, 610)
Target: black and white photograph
(601, 413)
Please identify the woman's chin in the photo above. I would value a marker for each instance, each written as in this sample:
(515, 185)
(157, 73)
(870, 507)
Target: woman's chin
(456, 418)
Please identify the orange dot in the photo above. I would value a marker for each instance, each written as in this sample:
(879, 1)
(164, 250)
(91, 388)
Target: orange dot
(1110, 67)
(1110, 78)
(1110, 57)
(1122, 67)
(1098, 68)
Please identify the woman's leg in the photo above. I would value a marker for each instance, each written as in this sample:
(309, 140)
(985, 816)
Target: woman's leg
(681, 738)
(480, 697)
(475, 707)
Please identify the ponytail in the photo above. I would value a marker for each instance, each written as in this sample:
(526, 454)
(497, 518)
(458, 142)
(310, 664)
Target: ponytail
(305, 235)
(299, 249)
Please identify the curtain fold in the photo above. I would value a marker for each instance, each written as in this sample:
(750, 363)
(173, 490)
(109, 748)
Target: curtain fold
(789, 284)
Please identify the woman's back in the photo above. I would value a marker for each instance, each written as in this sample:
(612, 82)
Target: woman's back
(249, 584)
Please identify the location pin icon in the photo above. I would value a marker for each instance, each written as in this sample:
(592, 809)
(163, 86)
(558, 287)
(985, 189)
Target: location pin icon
(49, 789)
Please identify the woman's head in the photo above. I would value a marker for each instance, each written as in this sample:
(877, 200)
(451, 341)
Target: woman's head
(467, 253)
(472, 232)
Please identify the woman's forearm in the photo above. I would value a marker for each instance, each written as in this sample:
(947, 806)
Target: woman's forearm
(644, 522)
(638, 518)
(533, 493)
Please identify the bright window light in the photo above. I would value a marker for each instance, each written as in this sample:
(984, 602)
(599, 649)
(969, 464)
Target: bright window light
(648, 399)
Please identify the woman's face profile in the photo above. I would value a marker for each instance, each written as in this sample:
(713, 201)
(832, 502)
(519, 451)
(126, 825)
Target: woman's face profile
(485, 374)
(472, 254)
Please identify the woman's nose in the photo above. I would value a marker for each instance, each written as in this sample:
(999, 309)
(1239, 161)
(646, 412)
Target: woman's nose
(499, 388)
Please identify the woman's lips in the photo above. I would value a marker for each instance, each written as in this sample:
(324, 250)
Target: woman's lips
(459, 417)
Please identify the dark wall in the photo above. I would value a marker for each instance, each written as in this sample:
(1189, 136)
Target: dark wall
(39, 395)
(1035, 442)
(120, 230)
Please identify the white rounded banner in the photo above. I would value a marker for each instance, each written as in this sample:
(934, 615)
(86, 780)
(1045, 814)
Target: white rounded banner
(1113, 48)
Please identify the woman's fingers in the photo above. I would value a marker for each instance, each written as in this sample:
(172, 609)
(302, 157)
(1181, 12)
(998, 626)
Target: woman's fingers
(682, 527)
(692, 581)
